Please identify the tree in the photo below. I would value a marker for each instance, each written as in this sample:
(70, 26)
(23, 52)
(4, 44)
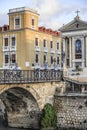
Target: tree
(49, 118)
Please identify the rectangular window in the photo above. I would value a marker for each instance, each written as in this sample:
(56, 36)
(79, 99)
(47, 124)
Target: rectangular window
(51, 59)
(44, 43)
(37, 58)
(57, 60)
(51, 44)
(57, 46)
(44, 58)
(13, 58)
(17, 21)
(13, 41)
(6, 59)
(33, 22)
(36, 41)
(6, 42)
(67, 62)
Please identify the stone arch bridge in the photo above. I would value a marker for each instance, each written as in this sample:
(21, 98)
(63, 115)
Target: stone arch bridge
(23, 95)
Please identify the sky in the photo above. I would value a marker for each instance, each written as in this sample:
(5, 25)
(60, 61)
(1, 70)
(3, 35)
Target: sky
(53, 13)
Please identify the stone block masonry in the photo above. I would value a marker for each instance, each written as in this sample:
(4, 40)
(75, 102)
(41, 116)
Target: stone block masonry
(71, 111)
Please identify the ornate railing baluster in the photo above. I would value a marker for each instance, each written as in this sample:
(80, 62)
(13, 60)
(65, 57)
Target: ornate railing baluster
(21, 76)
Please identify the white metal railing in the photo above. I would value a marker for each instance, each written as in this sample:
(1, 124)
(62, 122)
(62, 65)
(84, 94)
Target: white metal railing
(6, 66)
(17, 26)
(58, 52)
(52, 50)
(12, 48)
(45, 49)
(21, 9)
(37, 48)
(5, 48)
(37, 66)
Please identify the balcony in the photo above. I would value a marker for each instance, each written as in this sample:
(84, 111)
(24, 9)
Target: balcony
(45, 49)
(52, 66)
(37, 48)
(6, 66)
(52, 50)
(58, 52)
(9, 66)
(5, 48)
(37, 66)
(13, 48)
(17, 26)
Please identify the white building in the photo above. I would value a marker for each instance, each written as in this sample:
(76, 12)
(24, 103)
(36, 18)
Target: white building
(74, 35)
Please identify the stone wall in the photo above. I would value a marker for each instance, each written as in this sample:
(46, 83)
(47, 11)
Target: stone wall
(23, 121)
(71, 110)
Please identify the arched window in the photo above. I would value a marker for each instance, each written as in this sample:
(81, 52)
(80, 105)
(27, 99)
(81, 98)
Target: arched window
(78, 46)
(78, 49)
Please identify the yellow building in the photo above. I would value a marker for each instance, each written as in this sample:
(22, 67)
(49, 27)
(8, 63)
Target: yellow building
(25, 45)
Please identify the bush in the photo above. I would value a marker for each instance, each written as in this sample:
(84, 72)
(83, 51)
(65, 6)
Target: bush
(77, 73)
(49, 118)
(72, 74)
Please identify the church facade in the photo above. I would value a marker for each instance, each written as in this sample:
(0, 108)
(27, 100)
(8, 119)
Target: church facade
(74, 42)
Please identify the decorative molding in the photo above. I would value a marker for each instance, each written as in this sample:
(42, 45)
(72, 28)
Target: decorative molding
(75, 33)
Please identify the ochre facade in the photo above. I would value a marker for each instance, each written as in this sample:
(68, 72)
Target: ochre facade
(25, 45)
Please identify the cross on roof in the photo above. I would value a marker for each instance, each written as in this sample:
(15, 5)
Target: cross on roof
(77, 12)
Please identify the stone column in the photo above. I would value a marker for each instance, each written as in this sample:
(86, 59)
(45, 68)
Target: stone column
(86, 49)
(64, 49)
(73, 51)
(64, 60)
(82, 41)
(70, 52)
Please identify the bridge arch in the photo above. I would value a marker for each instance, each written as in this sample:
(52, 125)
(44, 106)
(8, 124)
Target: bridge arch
(26, 87)
(21, 103)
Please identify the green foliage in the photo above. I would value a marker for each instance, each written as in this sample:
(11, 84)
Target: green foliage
(49, 118)
(77, 73)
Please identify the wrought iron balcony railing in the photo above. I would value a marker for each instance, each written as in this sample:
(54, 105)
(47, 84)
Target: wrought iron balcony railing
(28, 76)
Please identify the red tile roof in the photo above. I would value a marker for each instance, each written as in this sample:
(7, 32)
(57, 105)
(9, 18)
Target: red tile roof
(4, 28)
(49, 31)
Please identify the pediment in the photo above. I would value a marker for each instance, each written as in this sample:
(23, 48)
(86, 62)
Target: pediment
(74, 25)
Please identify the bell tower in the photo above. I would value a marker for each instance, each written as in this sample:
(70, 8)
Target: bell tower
(24, 17)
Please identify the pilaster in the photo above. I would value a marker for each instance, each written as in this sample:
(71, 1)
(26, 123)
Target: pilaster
(82, 41)
(86, 51)
(73, 51)
(70, 50)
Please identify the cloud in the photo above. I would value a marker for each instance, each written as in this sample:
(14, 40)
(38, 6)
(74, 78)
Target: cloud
(53, 13)
(48, 9)
(3, 19)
